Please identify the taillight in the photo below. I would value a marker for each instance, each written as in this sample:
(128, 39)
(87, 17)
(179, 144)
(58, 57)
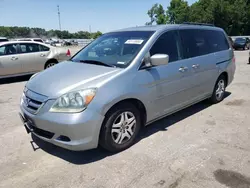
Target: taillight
(68, 53)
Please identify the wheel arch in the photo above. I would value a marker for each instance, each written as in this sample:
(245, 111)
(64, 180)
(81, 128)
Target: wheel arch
(225, 74)
(137, 103)
(49, 61)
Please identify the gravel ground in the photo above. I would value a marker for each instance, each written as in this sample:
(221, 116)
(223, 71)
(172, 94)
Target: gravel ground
(202, 146)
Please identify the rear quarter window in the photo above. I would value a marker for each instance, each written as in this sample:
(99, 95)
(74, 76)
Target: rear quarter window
(44, 48)
(198, 42)
(217, 40)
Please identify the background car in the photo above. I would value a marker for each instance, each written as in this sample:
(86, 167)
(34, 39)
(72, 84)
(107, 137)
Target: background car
(25, 57)
(241, 43)
(3, 39)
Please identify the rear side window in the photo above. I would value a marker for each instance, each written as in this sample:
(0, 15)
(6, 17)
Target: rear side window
(29, 48)
(44, 48)
(201, 42)
(167, 43)
(217, 40)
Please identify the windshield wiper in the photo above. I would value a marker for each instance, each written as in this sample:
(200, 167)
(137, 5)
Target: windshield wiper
(96, 63)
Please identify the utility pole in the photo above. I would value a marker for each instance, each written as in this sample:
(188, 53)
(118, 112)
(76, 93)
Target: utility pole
(89, 28)
(59, 17)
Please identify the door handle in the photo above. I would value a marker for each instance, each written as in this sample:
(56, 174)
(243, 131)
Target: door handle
(195, 66)
(42, 55)
(14, 58)
(183, 69)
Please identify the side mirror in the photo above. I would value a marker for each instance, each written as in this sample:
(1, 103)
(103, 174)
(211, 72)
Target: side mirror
(159, 59)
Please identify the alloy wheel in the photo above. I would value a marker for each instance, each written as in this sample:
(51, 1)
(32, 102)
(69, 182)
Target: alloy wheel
(220, 89)
(50, 65)
(123, 127)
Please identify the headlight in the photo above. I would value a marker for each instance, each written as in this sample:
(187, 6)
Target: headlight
(73, 102)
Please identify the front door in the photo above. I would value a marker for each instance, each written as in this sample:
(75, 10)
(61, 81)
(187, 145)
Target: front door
(9, 60)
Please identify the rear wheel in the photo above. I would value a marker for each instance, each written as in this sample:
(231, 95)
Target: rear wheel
(50, 64)
(219, 90)
(120, 128)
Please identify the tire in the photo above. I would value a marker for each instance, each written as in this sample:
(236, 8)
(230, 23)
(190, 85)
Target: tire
(50, 64)
(219, 94)
(114, 135)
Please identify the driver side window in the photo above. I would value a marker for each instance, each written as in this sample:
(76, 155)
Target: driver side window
(167, 43)
(104, 48)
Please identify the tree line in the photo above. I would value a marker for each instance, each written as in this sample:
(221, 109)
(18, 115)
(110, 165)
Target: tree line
(27, 32)
(231, 15)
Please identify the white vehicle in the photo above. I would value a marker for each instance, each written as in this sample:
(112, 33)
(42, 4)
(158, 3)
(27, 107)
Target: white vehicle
(24, 57)
(30, 39)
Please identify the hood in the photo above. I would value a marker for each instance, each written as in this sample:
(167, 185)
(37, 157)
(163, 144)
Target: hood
(67, 76)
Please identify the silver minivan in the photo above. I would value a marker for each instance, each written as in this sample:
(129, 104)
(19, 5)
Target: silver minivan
(125, 80)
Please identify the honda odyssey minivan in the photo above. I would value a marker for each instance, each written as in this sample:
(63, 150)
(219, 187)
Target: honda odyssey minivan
(125, 80)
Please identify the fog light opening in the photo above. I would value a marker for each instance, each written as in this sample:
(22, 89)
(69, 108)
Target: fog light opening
(63, 138)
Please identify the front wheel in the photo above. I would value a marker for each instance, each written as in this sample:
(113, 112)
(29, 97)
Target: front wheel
(219, 90)
(120, 128)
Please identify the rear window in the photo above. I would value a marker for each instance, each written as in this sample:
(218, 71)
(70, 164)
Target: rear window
(38, 40)
(4, 40)
(201, 42)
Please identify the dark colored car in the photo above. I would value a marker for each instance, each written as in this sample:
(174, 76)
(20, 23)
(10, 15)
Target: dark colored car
(241, 43)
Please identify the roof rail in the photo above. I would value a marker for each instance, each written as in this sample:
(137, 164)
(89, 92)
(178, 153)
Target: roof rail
(194, 23)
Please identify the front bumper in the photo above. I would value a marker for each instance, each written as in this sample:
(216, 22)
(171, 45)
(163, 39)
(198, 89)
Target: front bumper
(80, 129)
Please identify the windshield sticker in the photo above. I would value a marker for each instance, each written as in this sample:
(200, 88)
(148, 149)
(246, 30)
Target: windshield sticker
(134, 41)
(92, 54)
(121, 63)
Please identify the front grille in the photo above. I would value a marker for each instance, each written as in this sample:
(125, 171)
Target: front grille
(32, 101)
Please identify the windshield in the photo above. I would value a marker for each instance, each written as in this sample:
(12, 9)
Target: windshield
(114, 49)
(240, 40)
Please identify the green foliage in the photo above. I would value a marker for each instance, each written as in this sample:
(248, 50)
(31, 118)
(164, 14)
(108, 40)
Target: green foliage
(178, 12)
(26, 32)
(157, 15)
(231, 15)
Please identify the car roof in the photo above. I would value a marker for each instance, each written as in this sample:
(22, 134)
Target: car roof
(20, 42)
(27, 38)
(168, 26)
